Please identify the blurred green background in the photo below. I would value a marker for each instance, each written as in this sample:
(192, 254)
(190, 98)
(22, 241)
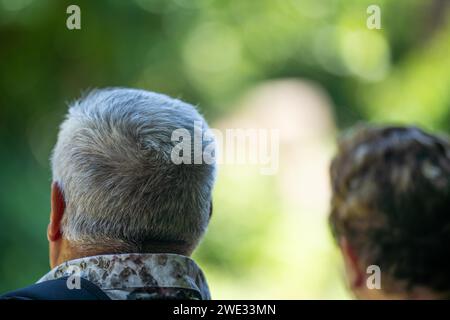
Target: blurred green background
(261, 242)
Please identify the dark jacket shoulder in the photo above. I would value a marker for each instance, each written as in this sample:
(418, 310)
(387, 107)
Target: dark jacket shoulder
(57, 290)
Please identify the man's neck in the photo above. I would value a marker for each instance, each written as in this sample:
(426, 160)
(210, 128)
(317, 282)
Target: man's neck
(68, 251)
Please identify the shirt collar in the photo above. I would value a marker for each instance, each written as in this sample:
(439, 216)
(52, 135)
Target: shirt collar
(133, 271)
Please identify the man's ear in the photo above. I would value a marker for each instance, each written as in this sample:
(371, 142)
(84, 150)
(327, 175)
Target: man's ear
(355, 273)
(58, 206)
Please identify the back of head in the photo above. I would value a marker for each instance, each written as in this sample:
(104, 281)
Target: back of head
(113, 163)
(391, 202)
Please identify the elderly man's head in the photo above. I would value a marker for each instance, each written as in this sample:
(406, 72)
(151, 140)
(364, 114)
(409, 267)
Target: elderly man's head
(116, 188)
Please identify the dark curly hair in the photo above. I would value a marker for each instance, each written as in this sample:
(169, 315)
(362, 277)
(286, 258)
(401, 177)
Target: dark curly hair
(391, 201)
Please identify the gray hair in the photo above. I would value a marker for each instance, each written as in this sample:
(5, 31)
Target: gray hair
(113, 163)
